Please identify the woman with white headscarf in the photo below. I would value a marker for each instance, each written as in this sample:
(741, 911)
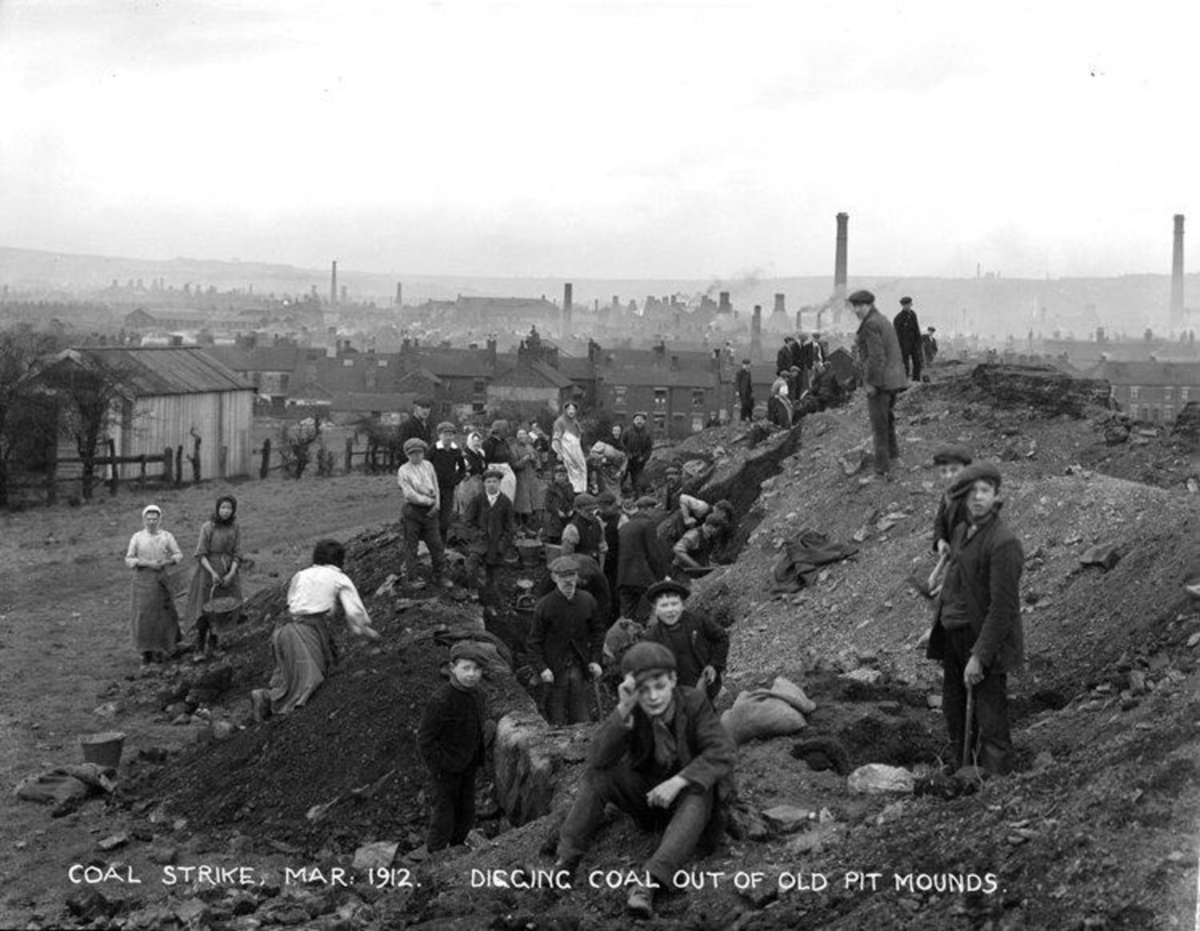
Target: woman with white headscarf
(568, 446)
(154, 620)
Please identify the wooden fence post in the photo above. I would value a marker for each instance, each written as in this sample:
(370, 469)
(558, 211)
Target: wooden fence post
(167, 462)
(113, 468)
(142, 472)
(179, 466)
(349, 455)
(222, 461)
(194, 458)
(265, 468)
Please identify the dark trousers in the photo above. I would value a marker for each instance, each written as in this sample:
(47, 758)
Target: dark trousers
(632, 599)
(635, 474)
(747, 411)
(445, 510)
(567, 697)
(991, 739)
(491, 590)
(912, 361)
(685, 821)
(422, 524)
(881, 409)
(452, 813)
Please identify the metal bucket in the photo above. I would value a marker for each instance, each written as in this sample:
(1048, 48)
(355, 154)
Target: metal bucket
(103, 749)
(530, 552)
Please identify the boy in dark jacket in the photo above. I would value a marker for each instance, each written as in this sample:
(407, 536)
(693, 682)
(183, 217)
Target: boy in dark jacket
(949, 461)
(977, 630)
(566, 642)
(638, 445)
(451, 468)
(700, 644)
(489, 527)
(662, 756)
(451, 742)
(641, 560)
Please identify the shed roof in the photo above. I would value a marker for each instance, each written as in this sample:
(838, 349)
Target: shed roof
(170, 370)
(1151, 373)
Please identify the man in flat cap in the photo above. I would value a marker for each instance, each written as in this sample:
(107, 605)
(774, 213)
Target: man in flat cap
(566, 643)
(488, 524)
(451, 742)
(584, 532)
(700, 644)
(641, 559)
(663, 757)
(908, 332)
(451, 469)
(417, 425)
(419, 485)
(977, 630)
(638, 445)
(883, 375)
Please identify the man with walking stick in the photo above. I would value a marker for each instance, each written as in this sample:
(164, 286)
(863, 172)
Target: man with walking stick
(977, 630)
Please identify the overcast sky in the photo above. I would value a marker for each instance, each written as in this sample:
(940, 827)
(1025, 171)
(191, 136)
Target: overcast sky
(611, 138)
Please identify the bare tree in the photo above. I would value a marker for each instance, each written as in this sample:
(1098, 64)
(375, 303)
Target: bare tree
(26, 416)
(88, 389)
(297, 441)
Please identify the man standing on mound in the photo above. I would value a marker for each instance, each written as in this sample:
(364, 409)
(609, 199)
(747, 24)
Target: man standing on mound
(663, 757)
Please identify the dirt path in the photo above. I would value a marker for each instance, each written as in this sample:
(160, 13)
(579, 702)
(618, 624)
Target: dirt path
(64, 641)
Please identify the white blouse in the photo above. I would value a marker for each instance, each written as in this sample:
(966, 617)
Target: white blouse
(157, 547)
(317, 589)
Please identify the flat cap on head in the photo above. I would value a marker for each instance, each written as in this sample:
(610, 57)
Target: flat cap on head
(584, 500)
(469, 649)
(446, 427)
(667, 587)
(414, 444)
(606, 499)
(861, 297)
(966, 479)
(646, 659)
(952, 453)
(564, 565)
(646, 502)
(494, 473)
(423, 402)
(906, 300)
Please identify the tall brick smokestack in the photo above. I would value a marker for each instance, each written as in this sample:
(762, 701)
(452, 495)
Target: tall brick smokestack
(779, 309)
(756, 352)
(839, 259)
(1177, 314)
(565, 328)
(399, 294)
(723, 305)
(333, 284)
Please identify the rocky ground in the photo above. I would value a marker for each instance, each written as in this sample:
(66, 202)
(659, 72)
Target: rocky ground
(1095, 830)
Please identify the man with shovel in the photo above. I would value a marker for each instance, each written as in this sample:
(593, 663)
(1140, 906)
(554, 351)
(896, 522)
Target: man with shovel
(977, 631)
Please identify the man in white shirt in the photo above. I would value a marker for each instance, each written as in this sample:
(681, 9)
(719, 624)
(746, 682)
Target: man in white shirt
(418, 482)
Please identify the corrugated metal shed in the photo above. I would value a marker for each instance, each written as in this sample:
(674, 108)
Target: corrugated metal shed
(171, 370)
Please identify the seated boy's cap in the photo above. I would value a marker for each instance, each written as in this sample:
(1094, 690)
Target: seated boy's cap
(564, 565)
(667, 587)
(646, 501)
(469, 649)
(966, 479)
(446, 427)
(861, 297)
(412, 444)
(952, 454)
(494, 473)
(584, 500)
(645, 659)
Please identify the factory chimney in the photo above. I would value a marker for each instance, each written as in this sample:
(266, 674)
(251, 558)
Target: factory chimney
(1177, 311)
(756, 352)
(779, 309)
(567, 304)
(333, 284)
(839, 260)
(723, 305)
(399, 294)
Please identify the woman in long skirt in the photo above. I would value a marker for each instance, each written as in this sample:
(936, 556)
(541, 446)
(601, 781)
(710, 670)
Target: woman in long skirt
(524, 463)
(568, 446)
(154, 621)
(219, 555)
(303, 644)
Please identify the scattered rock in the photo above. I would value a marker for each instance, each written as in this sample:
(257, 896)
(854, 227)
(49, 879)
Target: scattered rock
(788, 818)
(866, 676)
(823, 753)
(1137, 682)
(761, 895)
(192, 911)
(878, 778)
(1043, 759)
(378, 855)
(1104, 555)
(1193, 640)
(88, 903)
(892, 812)
(164, 856)
(934, 701)
(815, 839)
(113, 842)
(223, 730)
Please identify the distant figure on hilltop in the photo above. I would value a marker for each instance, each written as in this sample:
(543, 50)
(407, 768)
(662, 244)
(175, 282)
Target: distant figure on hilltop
(908, 332)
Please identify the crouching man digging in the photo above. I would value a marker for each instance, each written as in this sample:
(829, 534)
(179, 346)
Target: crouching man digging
(663, 757)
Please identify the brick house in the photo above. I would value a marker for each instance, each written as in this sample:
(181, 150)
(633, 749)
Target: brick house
(1152, 392)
